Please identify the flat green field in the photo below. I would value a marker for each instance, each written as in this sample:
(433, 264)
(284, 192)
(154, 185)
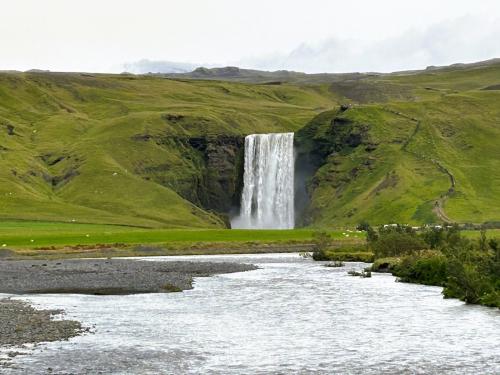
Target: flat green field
(56, 240)
(32, 234)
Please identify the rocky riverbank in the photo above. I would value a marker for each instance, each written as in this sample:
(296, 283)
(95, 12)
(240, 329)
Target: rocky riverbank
(106, 276)
(21, 324)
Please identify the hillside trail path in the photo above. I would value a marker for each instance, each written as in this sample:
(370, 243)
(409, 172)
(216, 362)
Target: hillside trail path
(439, 210)
(439, 203)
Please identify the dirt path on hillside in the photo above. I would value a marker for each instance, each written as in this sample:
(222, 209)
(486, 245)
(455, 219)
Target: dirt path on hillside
(439, 204)
(439, 211)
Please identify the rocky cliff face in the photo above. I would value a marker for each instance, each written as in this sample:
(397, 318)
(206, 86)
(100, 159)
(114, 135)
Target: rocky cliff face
(206, 170)
(222, 171)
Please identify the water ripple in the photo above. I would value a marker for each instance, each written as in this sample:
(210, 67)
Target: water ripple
(292, 316)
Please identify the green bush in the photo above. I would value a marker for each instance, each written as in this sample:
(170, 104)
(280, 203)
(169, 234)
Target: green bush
(434, 237)
(393, 240)
(395, 244)
(467, 269)
(358, 256)
(425, 267)
(385, 264)
(491, 299)
(474, 279)
(322, 241)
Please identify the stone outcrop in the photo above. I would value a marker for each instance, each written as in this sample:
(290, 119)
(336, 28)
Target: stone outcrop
(223, 156)
(211, 176)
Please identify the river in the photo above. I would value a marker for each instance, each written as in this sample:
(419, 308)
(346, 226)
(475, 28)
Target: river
(291, 316)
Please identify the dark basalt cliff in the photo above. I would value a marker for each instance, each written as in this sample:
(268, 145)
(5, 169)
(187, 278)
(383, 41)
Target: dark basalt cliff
(210, 172)
(222, 171)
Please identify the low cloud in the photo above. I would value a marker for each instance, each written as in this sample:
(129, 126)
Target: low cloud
(462, 40)
(149, 66)
(465, 39)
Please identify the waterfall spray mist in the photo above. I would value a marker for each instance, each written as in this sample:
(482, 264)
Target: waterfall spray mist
(267, 200)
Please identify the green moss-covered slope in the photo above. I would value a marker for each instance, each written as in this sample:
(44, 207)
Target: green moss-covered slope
(116, 148)
(414, 147)
(431, 157)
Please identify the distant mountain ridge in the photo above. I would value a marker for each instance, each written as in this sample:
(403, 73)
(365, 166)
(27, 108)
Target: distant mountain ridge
(233, 73)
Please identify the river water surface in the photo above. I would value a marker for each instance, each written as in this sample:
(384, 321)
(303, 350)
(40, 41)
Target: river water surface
(292, 316)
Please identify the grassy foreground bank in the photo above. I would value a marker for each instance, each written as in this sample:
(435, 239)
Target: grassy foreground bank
(22, 239)
(40, 239)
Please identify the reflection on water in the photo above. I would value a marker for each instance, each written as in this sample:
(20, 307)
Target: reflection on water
(292, 316)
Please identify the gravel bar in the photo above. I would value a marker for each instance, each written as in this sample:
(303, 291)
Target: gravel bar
(21, 324)
(107, 276)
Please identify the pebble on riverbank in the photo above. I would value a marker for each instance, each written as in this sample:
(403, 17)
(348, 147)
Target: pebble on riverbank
(21, 324)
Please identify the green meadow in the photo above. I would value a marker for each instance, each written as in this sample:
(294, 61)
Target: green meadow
(55, 240)
(18, 234)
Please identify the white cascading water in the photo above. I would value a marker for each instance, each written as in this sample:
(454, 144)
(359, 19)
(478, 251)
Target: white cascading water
(267, 200)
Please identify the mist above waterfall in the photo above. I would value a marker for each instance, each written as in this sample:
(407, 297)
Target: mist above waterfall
(267, 199)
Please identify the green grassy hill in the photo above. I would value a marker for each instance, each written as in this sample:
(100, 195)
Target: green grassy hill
(116, 148)
(428, 156)
(148, 151)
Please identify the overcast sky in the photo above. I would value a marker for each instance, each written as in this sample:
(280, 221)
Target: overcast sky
(311, 35)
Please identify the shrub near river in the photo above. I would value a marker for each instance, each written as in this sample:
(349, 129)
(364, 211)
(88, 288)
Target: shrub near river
(467, 269)
(323, 249)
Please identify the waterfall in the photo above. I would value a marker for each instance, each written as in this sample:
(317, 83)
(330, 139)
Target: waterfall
(267, 200)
